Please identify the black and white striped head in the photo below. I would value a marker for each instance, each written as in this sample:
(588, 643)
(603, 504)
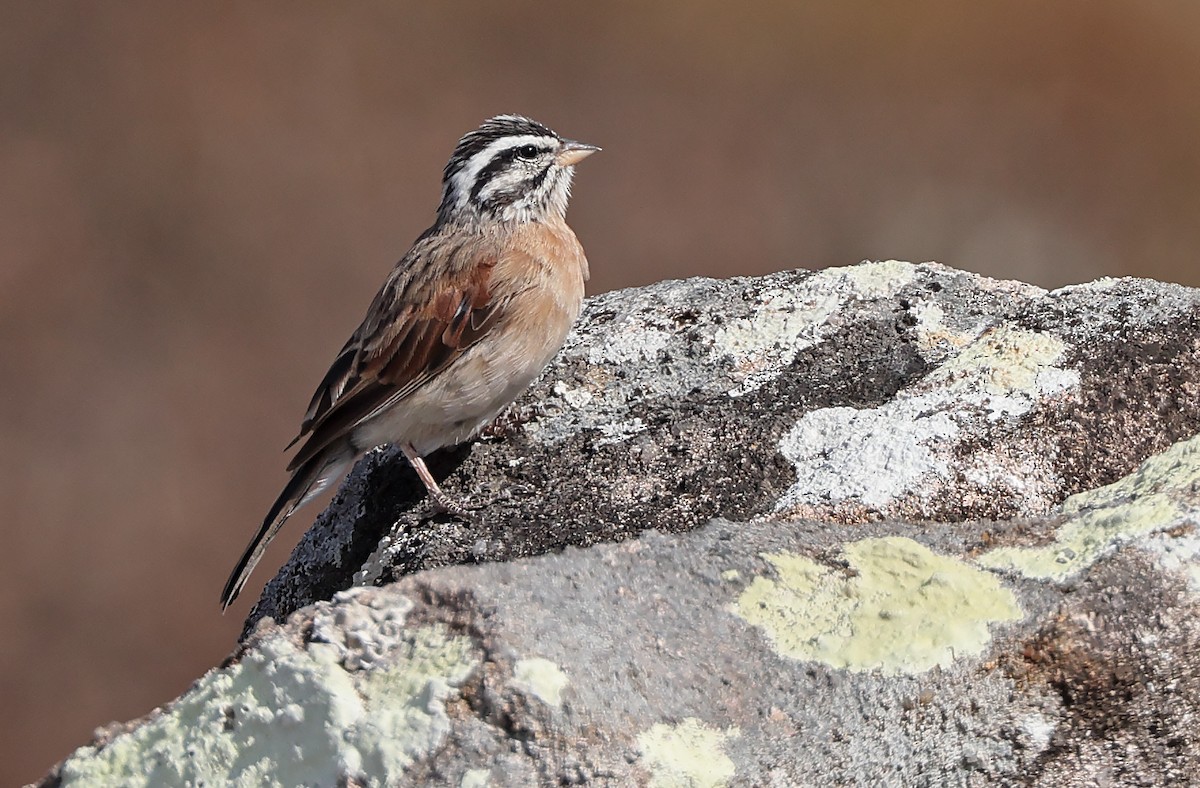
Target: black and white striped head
(511, 168)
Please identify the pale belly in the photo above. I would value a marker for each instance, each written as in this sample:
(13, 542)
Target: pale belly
(467, 395)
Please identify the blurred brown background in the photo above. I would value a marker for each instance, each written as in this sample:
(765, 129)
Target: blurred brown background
(198, 201)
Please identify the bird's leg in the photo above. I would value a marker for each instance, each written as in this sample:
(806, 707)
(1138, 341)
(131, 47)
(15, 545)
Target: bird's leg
(442, 501)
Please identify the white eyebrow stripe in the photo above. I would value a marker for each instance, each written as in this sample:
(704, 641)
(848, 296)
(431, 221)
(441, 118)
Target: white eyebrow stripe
(464, 179)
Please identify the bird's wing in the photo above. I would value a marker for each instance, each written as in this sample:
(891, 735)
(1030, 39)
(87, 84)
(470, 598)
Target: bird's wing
(437, 302)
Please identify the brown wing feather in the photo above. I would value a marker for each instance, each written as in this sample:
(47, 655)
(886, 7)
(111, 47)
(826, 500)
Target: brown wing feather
(415, 328)
(329, 390)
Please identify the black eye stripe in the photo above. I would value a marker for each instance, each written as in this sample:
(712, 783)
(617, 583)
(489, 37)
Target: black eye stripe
(501, 161)
(498, 200)
(527, 151)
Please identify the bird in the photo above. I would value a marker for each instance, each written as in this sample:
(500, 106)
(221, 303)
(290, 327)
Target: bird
(464, 322)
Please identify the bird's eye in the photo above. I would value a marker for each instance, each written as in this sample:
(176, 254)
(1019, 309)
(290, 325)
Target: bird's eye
(528, 152)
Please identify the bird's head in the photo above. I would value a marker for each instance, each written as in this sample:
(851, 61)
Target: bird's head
(511, 168)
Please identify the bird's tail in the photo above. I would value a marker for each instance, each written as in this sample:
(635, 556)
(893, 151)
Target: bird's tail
(306, 483)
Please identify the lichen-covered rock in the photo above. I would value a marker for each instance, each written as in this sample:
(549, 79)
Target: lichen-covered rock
(889, 524)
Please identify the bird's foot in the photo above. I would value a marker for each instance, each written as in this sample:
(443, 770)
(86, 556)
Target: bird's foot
(509, 422)
(444, 504)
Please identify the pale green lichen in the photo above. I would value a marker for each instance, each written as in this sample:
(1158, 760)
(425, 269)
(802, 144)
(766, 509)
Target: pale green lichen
(1159, 494)
(763, 344)
(1002, 362)
(687, 755)
(244, 725)
(904, 610)
(540, 678)
(475, 778)
(406, 715)
(877, 279)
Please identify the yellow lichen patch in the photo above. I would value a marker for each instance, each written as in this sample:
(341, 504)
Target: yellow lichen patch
(687, 755)
(540, 678)
(904, 609)
(876, 279)
(1001, 361)
(1154, 497)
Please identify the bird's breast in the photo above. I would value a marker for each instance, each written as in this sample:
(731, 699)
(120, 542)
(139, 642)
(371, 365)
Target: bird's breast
(543, 268)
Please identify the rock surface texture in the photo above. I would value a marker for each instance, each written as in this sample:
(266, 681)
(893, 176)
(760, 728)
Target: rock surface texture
(890, 524)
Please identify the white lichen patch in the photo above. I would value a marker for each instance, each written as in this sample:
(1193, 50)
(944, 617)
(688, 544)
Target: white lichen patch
(903, 610)
(786, 321)
(1161, 493)
(1179, 554)
(248, 724)
(1038, 728)
(476, 778)
(869, 456)
(687, 755)
(1102, 284)
(873, 456)
(764, 343)
(540, 678)
(633, 342)
(619, 431)
(406, 705)
(655, 345)
(576, 398)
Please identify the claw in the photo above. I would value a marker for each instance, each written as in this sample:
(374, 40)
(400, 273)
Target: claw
(441, 501)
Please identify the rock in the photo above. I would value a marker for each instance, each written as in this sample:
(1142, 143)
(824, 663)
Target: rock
(888, 524)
